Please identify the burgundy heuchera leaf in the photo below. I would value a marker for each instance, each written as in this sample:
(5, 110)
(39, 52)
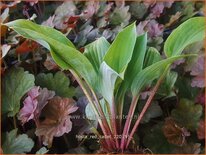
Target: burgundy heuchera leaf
(201, 130)
(175, 134)
(50, 64)
(154, 29)
(200, 99)
(57, 119)
(44, 96)
(92, 8)
(157, 10)
(198, 71)
(63, 13)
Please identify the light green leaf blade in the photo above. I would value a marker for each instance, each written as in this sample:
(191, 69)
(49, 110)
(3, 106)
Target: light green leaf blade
(136, 63)
(116, 61)
(152, 56)
(152, 72)
(167, 87)
(120, 52)
(64, 54)
(58, 83)
(96, 51)
(43, 150)
(90, 114)
(17, 144)
(45, 30)
(134, 67)
(15, 83)
(191, 31)
(107, 79)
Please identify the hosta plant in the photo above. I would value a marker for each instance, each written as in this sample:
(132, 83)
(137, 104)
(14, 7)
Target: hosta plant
(107, 72)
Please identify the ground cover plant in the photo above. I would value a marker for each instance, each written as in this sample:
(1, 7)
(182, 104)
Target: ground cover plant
(103, 77)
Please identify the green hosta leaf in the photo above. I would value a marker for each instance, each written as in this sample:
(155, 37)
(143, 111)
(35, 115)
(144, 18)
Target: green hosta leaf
(95, 52)
(136, 63)
(134, 67)
(156, 141)
(22, 25)
(90, 112)
(152, 72)
(193, 30)
(107, 82)
(16, 82)
(187, 114)
(152, 56)
(43, 150)
(58, 83)
(116, 61)
(62, 50)
(120, 52)
(166, 89)
(17, 144)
